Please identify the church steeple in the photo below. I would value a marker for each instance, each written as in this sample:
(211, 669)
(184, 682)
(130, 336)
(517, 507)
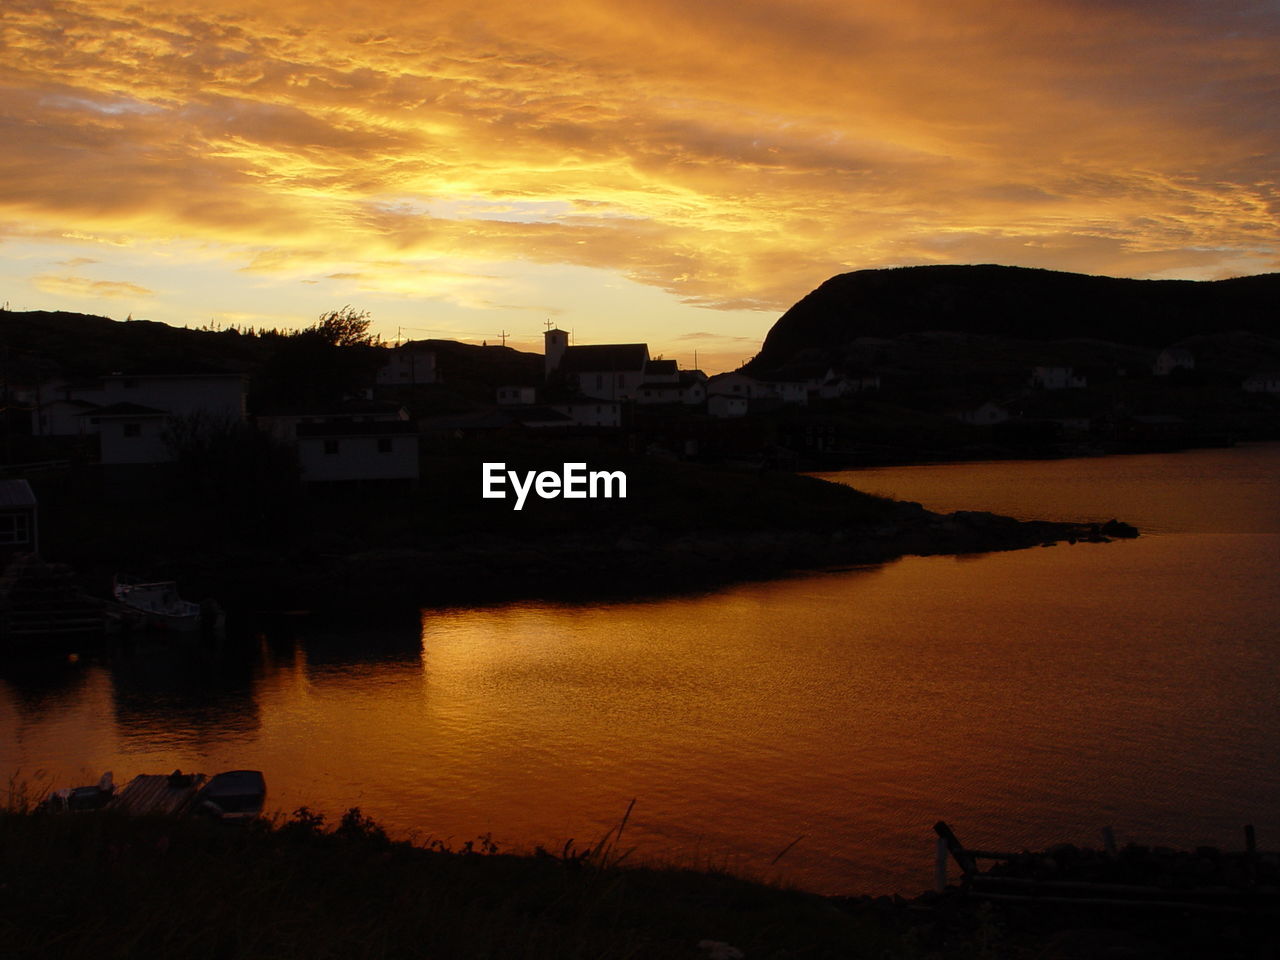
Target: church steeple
(555, 343)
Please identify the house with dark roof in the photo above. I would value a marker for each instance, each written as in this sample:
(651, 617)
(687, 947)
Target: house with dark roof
(410, 364)
(283, 423)
(129, 433)
(19, 532)
(350, 450)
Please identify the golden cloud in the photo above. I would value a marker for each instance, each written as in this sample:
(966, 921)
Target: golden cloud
(84, 287)
(731, 153)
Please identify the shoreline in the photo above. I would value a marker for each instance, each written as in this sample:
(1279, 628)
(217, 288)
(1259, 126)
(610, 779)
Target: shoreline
(632, 564)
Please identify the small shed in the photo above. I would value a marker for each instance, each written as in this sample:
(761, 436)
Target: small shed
(19, 532)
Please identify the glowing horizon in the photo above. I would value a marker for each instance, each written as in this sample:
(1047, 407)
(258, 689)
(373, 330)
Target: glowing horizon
(673, 173)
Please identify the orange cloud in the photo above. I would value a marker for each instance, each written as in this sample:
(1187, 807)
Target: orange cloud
(734, 154)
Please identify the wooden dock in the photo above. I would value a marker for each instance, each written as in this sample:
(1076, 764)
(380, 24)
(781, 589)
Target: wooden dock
(1204, 880)
(157, 794)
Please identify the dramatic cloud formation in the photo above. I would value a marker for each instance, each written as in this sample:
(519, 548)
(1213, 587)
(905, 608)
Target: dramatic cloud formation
(730, 154)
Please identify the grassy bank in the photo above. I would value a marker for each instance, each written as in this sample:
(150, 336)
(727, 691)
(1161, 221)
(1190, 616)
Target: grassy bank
(98, 886)
(103, 886)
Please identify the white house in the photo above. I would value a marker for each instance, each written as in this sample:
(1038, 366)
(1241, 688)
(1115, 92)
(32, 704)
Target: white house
(19, 531)
(738, 385)
(724, 405)
(1171, 359)
(365, 450)
(62, 418)
(1057, 378)
(517, 393)
(283, 425)
(1262, 383)
(130, 433)
(660, 392)
(58, 407)
(409, 364)
(604, 371)
(789, 391)
(693, 388)
(592, 413)
(219, 395)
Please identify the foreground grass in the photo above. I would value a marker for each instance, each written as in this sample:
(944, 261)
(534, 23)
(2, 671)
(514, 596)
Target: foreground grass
(95, 885)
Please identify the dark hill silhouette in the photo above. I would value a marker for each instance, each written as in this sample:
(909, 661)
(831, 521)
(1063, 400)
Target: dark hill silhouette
(1016, 303)
(57, 342)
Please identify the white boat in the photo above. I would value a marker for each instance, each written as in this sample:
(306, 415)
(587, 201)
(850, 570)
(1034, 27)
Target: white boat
(236, 796)
(158, 603)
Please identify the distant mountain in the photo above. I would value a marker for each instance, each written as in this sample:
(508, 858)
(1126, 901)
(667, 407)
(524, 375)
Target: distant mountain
(1015, 303)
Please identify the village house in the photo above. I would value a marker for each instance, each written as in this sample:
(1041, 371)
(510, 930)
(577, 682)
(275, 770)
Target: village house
(517, 393)
(603, 371)
(988, 414)
(60, 408)
(738, 385)
(790, 390)
(1262, 383)
(693, 388)
(130, 433)
(283, 424)
(726, 405)
(410, 364)
(19, 530)
(592, 413)
(1171, 359)
(1057, 378)
(349, 450)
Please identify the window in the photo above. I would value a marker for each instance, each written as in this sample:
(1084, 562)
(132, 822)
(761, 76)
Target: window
(133, 429)
(330, 447)
(384, 444)
(13, 528)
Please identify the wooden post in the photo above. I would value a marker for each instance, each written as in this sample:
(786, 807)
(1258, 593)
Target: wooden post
(940, 865)
(1109, 841)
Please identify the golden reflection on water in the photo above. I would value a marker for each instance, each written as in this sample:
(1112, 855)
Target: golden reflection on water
(1027, 697)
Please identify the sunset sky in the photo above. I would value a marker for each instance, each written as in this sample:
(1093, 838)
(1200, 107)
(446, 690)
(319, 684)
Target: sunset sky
(678, 173)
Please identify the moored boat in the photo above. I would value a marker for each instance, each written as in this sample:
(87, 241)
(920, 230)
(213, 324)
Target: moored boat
(233, 796)
(157, 602)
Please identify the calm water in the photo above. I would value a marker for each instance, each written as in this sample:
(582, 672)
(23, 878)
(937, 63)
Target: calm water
(1026, 697)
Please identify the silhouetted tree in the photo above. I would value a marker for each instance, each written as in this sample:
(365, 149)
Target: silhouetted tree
(347, 327)
(320, 365)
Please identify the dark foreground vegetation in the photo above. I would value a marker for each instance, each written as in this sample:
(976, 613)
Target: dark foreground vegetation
(100, 886)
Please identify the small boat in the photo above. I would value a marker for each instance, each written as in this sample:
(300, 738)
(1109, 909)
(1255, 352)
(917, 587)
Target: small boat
(158, 603)
(79, 799)
(234, 796)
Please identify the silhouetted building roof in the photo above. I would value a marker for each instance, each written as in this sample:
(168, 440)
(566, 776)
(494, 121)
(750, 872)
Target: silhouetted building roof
(362, 428)
(125, 410)
(608, 357)
(16, 493)
(660, 367)
(343, 408)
